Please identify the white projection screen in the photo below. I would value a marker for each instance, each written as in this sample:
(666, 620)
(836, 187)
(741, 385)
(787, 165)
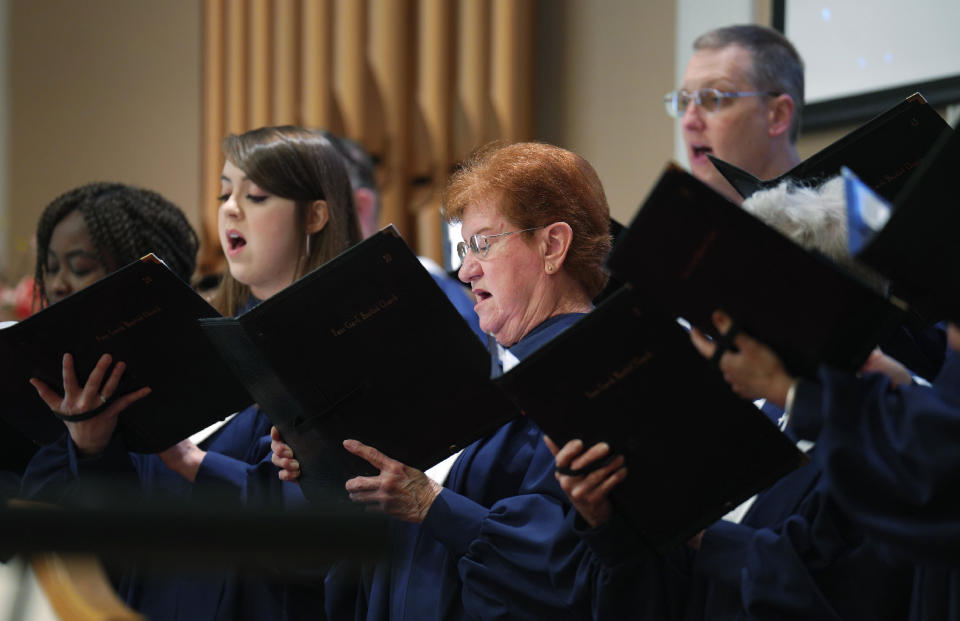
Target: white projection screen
(863, 57)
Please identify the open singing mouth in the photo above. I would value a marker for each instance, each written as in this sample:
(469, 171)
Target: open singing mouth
(235, 240)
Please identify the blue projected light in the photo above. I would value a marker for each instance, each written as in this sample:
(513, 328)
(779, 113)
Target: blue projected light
(867, 212)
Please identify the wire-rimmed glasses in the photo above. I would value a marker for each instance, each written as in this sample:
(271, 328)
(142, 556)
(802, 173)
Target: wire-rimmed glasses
(479, 244)
(708, 99)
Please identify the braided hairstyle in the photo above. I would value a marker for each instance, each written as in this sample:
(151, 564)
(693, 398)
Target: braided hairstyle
(124, 223)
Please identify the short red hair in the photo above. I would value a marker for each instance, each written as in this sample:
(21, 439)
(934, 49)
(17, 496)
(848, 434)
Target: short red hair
(533, 185)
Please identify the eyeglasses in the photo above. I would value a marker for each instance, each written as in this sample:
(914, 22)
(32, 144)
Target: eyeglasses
(480, 244)
(709, 99)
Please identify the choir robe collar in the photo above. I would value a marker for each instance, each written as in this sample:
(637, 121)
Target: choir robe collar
(539, 336)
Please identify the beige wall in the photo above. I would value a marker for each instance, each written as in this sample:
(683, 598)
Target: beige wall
(4, 134)
(100, 90)
(110, 90)
(810, 142)
(602, 70)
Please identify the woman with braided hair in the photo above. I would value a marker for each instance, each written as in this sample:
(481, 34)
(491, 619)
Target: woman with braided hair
(115, 224)
(90, 231)
(83, 235)
(286, 207)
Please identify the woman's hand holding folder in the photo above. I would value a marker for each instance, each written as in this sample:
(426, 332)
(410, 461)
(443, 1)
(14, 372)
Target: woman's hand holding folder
(89, 412)
(283, 457)
(398, 490)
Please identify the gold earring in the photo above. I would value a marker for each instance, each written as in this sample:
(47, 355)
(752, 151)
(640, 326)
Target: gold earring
(549, 268)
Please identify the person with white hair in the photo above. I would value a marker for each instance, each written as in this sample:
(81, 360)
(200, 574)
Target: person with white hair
(814, 217)
(787, 553)
(887, 451)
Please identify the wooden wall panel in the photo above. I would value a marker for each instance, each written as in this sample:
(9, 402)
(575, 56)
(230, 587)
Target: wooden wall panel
(473, 119)
(316, 62)
(512, 68)
(350, 62)
(390, 58)
(236, 67)
(214, 87)
(419, 83)
(260, 59)
(435, 99)
(286, 62)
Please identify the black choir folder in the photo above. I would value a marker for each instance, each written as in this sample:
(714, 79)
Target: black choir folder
(693, 251)
(883, 152)
(144, 315)
(628, 375)
(913, 241)
(366, 347)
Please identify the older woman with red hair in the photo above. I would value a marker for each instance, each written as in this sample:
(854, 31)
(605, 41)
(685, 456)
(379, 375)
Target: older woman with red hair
(493, 540)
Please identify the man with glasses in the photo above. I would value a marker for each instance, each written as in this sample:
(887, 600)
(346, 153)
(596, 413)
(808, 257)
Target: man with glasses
(787, 553)
(740, 101)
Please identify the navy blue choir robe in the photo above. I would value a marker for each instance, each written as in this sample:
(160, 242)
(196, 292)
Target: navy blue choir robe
(919, 348)
(624, 578)
(891, 460)
(794, 555)
(237, 469)
(495, 544)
